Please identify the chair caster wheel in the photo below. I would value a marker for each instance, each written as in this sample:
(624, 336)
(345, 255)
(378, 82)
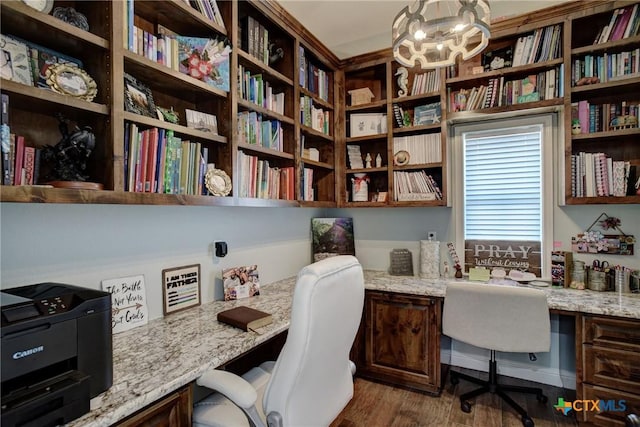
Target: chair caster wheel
(465, 406)
(527, 422)
(454, 380)
(542, 398)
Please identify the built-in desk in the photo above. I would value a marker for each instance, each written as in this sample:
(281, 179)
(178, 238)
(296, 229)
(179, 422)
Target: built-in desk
(155, 360)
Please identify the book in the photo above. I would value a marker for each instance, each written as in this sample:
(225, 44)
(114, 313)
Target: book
(205, 59)
(245, 318)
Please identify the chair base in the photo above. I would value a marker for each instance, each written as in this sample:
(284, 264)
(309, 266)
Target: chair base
(492, 386)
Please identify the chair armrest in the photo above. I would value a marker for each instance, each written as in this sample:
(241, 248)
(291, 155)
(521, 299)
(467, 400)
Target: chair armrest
(352, 366)
(234, 387)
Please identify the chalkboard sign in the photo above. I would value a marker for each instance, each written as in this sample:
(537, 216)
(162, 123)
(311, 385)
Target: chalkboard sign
(128, 302)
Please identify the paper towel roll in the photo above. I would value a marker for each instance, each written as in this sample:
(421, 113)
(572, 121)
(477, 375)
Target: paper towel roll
(429, 259)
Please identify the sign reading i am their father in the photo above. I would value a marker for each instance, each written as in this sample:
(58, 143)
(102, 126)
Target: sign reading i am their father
(128, 302)
(181, 288)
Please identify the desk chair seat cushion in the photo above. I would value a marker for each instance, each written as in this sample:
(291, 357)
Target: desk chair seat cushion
(497, 317)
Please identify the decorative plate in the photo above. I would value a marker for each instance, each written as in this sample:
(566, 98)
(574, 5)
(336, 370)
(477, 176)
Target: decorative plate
(43, 6)
(70, 80)
(401, 158)
(71, 16)
(218, 182)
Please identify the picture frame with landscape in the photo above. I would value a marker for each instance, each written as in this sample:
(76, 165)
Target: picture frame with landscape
(138, 97)
(331, 237)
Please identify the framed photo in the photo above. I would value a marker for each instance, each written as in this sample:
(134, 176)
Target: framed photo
(15, 63)
(138, 98)
(128, 302)
(181, 288)
(331, 237)
(368, 124)
(241, 282)
(427, 114)
(68, 79)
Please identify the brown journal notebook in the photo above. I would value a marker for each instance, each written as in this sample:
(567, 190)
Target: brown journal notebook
(245, 318)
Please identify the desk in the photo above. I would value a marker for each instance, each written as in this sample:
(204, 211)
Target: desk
(156, 359)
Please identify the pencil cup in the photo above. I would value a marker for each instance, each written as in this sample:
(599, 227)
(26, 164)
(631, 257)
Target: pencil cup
(622, 281)
(429, 259)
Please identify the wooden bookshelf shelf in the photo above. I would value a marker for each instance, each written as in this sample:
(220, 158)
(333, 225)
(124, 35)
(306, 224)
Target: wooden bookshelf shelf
(255, 64)
(435, 96)
(316, 100)
(180, 17)
(310, 131)
(168, 80)
(47, 101)
(248, 105)
(366, 138)
(367, 170)
(627, 200)
(412, 129)
(523, 106)
(372, 106)
(181, 130)
(605, 135)
(265, 151)
(46, 30)
(504, 72)
(630, 42)
(418, 166)
(604, 88)
(313, 163)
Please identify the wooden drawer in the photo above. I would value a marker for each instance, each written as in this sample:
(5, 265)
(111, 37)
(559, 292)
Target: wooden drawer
(618, 369)
(612, 332)
(608, 418)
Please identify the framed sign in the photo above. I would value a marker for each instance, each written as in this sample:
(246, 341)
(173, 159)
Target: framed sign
(505, 254)
(181, 288)
(128, 302)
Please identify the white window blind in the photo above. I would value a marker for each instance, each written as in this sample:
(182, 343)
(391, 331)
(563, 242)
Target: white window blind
(503, 184)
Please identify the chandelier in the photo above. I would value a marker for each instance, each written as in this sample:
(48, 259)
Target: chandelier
(434, 32)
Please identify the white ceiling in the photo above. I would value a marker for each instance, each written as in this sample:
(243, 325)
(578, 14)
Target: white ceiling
(353, 27)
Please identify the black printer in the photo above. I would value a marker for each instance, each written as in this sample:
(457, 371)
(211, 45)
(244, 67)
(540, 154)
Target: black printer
(56, 352)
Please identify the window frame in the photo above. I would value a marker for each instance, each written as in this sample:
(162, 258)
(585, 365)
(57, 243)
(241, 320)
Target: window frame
(549, 142)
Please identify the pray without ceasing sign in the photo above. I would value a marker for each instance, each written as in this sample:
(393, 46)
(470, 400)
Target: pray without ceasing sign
(181, 288)
(128, 302)
(507, 254)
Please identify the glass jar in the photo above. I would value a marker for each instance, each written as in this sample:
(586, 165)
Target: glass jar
(577, 275)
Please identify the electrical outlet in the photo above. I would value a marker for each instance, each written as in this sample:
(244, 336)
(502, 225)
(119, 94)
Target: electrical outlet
(432, 235)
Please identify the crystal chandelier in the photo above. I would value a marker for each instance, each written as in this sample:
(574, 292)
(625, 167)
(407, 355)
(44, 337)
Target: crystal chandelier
(434, 32)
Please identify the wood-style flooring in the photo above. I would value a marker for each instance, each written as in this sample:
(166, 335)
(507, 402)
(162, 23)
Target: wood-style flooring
(382, 405)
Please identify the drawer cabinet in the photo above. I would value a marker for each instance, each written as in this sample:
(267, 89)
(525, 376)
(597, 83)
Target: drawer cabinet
(610, 364)
(173, 410)
(399, 341)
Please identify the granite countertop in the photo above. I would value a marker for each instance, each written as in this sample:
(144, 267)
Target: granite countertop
(156, 359)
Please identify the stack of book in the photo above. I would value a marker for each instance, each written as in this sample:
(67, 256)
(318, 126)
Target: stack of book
(253, 88)
(415, 186)
(315, 118)
(424, 148)
(426, 83)
(156, 161)
(258, 179)
(607, 66)
(597, 175)
(355, 157)
(252, 129)
(313, 78)
(602, 117)
(624, 22)
(255, 39)
(544, 44)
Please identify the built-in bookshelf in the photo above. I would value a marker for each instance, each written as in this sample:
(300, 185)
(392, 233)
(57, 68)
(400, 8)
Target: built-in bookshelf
(602, 156)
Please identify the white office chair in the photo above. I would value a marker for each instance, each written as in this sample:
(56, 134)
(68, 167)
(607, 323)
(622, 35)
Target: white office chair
(312, 380)
(499, 318)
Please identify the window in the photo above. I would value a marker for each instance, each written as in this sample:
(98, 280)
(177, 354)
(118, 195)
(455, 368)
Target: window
(503, 192)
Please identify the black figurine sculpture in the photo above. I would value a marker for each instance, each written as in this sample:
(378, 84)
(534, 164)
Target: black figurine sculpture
(68, 158)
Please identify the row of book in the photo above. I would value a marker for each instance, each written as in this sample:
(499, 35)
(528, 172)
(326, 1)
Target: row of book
(315, 118)
(424, 148)
(254, 39)
(208, 8)
(498, 92)
(624, 22)
(252, 88)
(20, 162)
(203, 58)
(598, 175)
(544, 44)
(605, 117)
(312, 77)
(157, 161)
(426, 82)
(258, 179)
(607, 67)
(252, 129)
(416, 185)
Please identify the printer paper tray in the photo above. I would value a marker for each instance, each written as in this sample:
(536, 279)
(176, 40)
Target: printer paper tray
(52, 402)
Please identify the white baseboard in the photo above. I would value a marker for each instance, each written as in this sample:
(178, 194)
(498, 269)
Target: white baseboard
(527, 372)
